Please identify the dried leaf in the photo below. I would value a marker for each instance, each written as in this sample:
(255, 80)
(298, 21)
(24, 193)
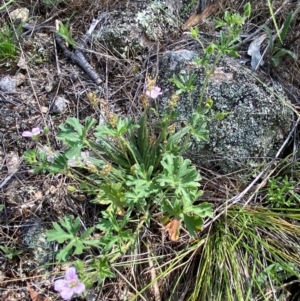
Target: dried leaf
(219, 75)
(36, 296)
(20, 79)
(254, 52)
(195, 19)
(44, 109)
(38, 195)
(12, 162)
(22, 63)
(172, 228)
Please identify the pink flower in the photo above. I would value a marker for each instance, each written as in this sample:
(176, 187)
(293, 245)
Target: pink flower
(154, 92)
(70, 285)
(34, 132)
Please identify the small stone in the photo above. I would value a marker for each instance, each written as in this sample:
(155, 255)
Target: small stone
(38, 195)
(20, 13)
(44, 109)
(35, 239)
(60, 104)
(52, 189)
(49, 86)
(22, 64)
(20, 79)
(8, 84)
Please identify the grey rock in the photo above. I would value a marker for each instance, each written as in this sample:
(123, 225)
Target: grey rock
(21, 14)
(8, 84)
(130, 30)
(35, 239)
(257, 121)
(60, 104)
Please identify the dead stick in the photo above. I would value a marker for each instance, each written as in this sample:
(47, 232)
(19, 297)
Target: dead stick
(77, 57)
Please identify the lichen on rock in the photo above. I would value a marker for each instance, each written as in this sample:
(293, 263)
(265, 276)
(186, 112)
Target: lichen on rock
(257, 118)
(131, 30)
(36, 241)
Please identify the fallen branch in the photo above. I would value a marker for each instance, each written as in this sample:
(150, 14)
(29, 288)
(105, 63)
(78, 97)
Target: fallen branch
(77, 57)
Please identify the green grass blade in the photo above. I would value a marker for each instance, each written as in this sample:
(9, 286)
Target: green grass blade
(286, 26)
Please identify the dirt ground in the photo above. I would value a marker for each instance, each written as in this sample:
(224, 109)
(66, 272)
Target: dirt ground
(32, 202)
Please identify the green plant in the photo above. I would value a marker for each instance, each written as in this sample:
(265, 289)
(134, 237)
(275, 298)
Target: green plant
(10, 252)
(250, 252)
(67, 231)
(276, 272)
(138, 176)
(276, 45)
(184, 82)
(8, 43)
(38, 160)
(64, 31)
(280, 192)
(127, 175)
(6, 4)
(135, 169)
(227, 44)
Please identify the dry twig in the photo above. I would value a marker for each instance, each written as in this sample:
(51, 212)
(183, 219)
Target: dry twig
(77, 57)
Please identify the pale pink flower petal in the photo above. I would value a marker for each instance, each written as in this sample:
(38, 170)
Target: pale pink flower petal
(27, 134)
(70, 285)
(79, 288)
(36, 131)
(67, 293)
(60, 285)
(154, 93)
(32, 133)
(71, 274)
(157, 90)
